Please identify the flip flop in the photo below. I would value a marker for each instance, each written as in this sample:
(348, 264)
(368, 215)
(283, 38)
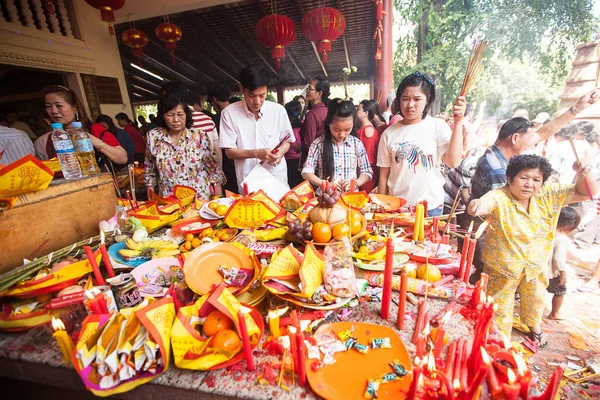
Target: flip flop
(587, 288)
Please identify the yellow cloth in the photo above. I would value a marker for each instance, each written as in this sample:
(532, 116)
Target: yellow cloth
(518, 241)
(503, 289)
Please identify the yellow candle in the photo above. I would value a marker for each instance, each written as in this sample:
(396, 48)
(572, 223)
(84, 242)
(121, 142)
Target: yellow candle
(65, 344)
(274, 324)
(422, 223)
(416, 225)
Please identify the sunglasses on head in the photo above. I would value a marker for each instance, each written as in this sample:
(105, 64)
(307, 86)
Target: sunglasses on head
(523, 127)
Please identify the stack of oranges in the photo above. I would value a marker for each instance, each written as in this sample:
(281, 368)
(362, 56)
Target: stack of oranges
(220, 328)
(192, 241)
(219, 209)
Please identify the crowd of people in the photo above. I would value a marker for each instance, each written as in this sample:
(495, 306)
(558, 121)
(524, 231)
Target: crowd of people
(521, 184)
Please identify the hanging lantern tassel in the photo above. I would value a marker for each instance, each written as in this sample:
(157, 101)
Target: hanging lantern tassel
(107, 10)
(277, 54)
(324, 47)
(111, 29)
(50, 7)
(138, 53)
(172, 46)
(136, 39)
(107, 14)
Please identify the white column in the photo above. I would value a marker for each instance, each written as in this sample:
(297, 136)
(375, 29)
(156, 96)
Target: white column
(40, 15)
(64, 17)
(27, 15)
(13, 14)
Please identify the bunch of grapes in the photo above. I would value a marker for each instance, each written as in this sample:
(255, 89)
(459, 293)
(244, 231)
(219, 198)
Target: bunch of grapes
(329, 197)
(301, 231)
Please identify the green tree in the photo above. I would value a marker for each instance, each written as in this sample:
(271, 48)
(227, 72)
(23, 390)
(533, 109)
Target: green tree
(526, 33)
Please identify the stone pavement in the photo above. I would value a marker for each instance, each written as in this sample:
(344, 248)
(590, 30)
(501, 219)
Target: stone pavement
(575, 337)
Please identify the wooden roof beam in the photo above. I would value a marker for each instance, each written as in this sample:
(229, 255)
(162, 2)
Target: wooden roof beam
(289, 53)
(139, 78)
(236, 25)
(172, 71)
(207, 32)
(302, 12)
(212, 63)
(179, 60)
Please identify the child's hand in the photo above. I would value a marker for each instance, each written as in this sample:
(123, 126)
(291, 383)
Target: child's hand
(562, 278)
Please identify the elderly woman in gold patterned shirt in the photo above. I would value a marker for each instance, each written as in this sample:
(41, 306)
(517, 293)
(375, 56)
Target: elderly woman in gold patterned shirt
(518, 245)
(179, 155)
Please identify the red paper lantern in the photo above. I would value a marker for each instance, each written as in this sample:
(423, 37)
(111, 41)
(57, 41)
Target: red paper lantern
(323, 25)
(135, 39)
(170, 34)
(106, 8)
(278, 32)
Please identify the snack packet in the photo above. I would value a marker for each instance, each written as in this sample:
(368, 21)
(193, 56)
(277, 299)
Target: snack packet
(338, 276)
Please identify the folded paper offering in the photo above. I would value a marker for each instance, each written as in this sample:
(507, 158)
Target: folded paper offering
(25, 175)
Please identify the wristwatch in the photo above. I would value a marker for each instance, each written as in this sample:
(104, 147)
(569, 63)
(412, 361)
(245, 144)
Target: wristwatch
(574, 110)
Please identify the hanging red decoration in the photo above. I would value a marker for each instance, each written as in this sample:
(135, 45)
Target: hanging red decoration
(106, 8)
(378, 35)
(323, 25)
(170, 34)
(50, 7)
(278, 32)
(135, 39)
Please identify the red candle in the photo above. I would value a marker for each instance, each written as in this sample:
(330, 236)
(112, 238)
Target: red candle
(387, 279)
(553, 385)
(435, 229)
(130, 202)
(294, 319)
(106, 259)
(301, 360)
(445, 381)
(94, 305)
(445, 239)
(293, 346)
(458, 359)
(353, 185)
(420, 345)
(439, 341)
(477, 381)
(425, 208)
(444, 280)
(402, 299)
(467, 274)
(245, 342)
(463, 257)
(246, 192)
(495, 387)
(92, 259)
(510, 390)
(309, 316)
(449, 370)
(416, 373)
(464, 370)
(420, 324)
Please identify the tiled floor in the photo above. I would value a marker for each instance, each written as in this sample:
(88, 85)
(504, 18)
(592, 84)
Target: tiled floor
(581, 324)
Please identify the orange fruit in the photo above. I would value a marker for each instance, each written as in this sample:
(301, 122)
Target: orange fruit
(355, 215)
(227, 340)
(434, 333)
(213, 205)
(434, 273)
(183, 249)
(355, 226)
(221, 209)
(321, 232)
(189, 237)
(215, 322)
(411, 273)
(225, 237)
(208, 232)
(340, 230)
(188, 244)
(196, 242)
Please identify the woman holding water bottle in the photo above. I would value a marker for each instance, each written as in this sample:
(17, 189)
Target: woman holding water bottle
(63, 106)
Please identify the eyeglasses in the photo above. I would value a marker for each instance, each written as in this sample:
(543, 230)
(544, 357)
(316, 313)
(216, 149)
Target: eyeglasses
(523, 127)
(310, 89)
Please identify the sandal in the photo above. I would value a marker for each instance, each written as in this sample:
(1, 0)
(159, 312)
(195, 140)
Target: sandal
(539, 339)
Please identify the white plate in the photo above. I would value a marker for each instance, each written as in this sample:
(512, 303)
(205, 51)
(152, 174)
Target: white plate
(148, 267)
(207, 213)
(399, 259)
(342, 301)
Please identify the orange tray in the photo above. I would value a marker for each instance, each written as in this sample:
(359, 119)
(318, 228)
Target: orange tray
(347, 377)
(201, 268)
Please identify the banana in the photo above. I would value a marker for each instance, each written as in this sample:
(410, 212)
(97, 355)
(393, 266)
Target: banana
(165, 253)
(166, 245)
(150, 243)
(132, 244)
(130, 253)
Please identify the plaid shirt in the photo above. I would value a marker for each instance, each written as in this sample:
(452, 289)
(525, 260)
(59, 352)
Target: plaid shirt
(460, 176)
(349, 158)
(490, 173)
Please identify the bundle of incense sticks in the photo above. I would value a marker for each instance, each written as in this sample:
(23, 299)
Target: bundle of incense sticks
(474, 67)
(276, 148)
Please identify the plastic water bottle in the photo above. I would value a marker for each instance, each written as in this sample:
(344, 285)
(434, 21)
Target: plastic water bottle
(84, 150)
(65, 152)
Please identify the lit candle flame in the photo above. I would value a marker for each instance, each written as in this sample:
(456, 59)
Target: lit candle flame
(506, 340)
(456, 384)
(485, 357)
(521, 365)
(57, 324)
(490, 299)
(482, 297)
(101, 237)
(417, 361)
(291, 329)
(445, 318)
(427, 330)
(431, 362)
(512, 378)
(470, 228)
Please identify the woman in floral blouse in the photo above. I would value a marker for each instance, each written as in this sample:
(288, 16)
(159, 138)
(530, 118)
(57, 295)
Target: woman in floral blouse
(178, 155)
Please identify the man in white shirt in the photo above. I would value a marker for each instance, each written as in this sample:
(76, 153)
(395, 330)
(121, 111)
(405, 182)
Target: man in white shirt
(252, 128)
(14, 144)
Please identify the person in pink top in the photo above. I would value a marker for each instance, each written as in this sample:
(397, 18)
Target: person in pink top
(292, 157)
(369, 136)
(138, 140)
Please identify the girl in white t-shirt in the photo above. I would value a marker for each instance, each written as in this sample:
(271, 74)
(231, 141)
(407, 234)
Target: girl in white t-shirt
(411, 151)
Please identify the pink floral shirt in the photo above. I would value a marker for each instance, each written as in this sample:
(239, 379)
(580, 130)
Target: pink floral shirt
(192, 162)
